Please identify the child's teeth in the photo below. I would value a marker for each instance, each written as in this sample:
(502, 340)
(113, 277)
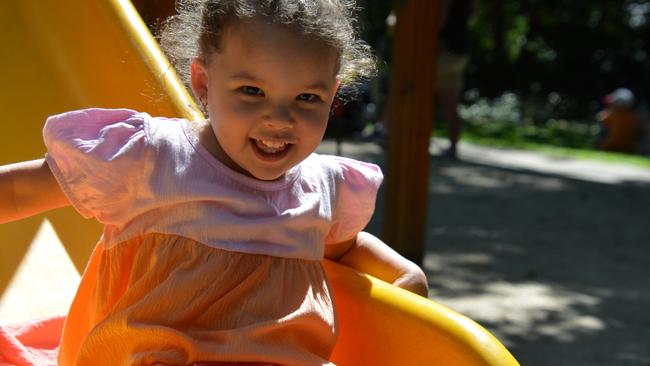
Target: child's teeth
(273, 144)
(271, 147)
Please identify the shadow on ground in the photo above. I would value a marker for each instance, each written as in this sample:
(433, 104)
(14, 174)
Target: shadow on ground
(557, 268)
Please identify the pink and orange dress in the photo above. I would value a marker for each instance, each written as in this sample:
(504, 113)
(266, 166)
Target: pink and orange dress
(198, 263)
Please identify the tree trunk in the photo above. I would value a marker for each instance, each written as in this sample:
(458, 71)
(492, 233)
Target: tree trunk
(410, 120)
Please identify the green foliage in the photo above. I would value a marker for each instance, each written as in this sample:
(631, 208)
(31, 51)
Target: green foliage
(580, 50)
(502, 119)
(500, 123)
(555, 133)
(516, 39)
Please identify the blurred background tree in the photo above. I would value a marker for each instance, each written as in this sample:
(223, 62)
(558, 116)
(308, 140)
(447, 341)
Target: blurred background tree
(564, 53)
(539, 68)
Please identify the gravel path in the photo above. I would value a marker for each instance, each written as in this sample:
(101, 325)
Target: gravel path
(550, 255)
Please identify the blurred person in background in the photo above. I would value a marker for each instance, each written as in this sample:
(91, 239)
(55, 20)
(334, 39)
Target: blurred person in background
(452, 60)
(453, 57)
(619, 123)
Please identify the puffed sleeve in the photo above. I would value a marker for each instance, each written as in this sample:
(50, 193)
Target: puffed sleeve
(98, 157)
(356, 192)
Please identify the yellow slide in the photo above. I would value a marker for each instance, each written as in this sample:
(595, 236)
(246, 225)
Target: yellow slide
(71, 54)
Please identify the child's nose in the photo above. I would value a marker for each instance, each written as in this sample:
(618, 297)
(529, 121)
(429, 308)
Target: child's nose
(279, 117)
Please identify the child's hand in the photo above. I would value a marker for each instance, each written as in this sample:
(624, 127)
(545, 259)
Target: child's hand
(415, 282)
(370, 255)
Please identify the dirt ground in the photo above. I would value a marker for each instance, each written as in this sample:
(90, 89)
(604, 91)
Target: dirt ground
(555, 263)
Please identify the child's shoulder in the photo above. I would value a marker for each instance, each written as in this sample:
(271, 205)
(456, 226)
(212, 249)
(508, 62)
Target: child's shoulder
(340, 162)
(112, 125)
(87, 121)
(93, 130)
(343, 168)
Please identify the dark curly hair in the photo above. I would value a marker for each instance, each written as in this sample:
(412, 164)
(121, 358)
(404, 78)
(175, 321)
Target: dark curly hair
(196, 31)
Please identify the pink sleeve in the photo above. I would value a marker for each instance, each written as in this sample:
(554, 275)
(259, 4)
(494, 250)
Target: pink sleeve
(356, 194)
(97, 156)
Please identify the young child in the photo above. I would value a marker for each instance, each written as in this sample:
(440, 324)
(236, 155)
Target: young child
(619, 123)
(215, 230)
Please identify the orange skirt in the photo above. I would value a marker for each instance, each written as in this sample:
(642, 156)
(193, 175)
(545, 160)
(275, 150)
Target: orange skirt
(165, 299)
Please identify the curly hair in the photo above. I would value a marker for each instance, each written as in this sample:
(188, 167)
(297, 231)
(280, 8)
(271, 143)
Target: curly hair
(196, 31)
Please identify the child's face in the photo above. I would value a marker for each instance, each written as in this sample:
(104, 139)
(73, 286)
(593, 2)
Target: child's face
(268, 94)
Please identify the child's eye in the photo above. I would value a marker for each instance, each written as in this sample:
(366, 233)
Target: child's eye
(307, 97)
(252, 91)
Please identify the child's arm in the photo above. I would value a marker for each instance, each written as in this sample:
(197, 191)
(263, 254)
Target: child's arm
(370, 255)
(27, 189)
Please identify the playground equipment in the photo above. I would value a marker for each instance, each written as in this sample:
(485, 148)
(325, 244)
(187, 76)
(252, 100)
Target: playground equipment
(71, 54)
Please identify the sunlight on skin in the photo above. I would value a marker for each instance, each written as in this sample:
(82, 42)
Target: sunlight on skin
(525, 309)
(45, 282)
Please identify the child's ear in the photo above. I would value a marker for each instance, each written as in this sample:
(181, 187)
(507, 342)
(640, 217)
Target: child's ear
(199, 80)
(337, 85)
(335, 89)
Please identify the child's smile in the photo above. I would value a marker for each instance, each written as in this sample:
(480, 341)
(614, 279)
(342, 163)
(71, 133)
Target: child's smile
(268, 93)
(271, 150)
